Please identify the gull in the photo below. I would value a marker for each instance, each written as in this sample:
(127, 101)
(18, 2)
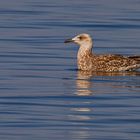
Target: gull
(89, 61)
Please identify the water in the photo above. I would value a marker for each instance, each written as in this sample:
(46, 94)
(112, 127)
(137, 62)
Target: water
(42, 95)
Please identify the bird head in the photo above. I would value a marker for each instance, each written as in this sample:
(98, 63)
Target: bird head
(83, 40)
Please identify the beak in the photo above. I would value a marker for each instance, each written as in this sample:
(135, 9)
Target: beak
(68, 41)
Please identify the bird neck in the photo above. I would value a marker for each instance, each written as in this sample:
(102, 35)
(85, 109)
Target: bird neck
(84, 51)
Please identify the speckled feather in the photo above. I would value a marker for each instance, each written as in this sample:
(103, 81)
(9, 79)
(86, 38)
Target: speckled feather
(108, 63)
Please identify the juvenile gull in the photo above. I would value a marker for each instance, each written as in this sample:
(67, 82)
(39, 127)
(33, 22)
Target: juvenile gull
(89, 61)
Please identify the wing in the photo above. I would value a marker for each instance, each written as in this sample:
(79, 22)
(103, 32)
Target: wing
(112, 62)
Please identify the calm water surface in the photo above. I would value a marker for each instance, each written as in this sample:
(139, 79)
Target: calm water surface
(42, 95)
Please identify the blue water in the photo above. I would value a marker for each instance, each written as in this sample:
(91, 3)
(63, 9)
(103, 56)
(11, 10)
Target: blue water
(42, 95)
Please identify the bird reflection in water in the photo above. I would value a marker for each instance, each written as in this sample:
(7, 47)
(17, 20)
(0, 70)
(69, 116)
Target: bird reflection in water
(85, 80)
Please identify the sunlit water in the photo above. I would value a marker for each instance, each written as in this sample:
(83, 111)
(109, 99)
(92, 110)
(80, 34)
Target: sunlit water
(42, 95)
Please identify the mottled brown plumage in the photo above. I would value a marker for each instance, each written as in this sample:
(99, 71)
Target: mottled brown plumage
(89, 61)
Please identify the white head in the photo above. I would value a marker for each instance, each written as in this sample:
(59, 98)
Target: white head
(83, 40)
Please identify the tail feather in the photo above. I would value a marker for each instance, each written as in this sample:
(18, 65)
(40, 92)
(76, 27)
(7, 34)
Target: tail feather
(137, 58)
(130, 68)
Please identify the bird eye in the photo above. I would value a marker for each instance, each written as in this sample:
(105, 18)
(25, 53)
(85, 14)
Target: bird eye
(80, 37)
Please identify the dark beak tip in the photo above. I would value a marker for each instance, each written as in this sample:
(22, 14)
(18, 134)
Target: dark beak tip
(65, 41)
(68, 41)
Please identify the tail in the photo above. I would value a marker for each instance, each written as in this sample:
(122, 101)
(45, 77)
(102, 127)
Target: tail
(130, 68)
(136, 58)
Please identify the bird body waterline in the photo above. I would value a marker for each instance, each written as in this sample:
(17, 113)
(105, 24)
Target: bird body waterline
(88, 61)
